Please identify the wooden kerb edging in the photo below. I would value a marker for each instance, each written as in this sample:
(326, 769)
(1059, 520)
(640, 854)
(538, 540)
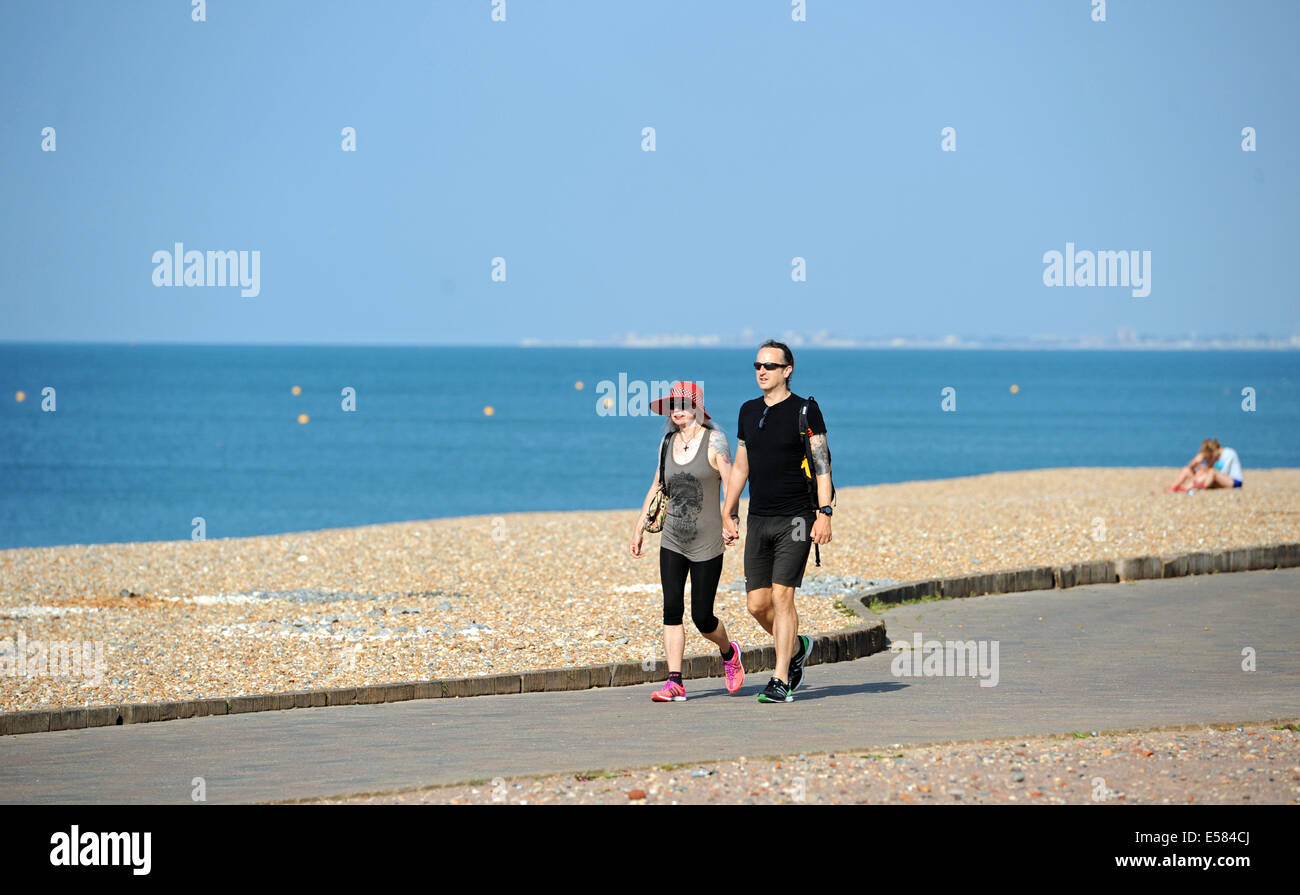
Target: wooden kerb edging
(1110, 571)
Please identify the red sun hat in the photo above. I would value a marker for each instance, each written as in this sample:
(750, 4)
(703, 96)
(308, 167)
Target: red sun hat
(688, 390)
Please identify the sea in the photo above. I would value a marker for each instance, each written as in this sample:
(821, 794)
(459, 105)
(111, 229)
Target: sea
(113, 443)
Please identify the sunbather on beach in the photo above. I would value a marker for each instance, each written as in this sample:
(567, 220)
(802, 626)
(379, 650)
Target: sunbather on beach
(1193, 468)
(1224, 470)
(1214, 466)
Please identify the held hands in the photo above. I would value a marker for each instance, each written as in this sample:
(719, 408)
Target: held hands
(821, 530)
(730, 531)
(636, 542)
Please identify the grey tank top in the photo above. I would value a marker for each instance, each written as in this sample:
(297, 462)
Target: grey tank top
(693, 525)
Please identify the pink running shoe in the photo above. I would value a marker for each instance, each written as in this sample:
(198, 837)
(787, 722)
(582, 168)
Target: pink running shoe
(735, 669)
(670, 692)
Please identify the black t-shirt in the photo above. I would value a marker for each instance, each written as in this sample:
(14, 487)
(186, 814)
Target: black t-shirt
(777, 486)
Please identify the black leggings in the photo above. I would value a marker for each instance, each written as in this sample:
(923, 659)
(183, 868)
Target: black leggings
(704, 587)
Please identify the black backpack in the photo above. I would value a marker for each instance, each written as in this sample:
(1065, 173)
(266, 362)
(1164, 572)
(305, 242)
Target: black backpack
(809, 479)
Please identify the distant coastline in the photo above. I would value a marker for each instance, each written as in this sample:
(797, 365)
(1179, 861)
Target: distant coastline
(681, 340)
(1120, 342)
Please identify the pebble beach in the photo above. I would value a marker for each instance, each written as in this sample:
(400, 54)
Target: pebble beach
(455, 597)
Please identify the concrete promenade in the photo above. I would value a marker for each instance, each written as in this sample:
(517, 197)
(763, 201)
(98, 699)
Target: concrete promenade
(1094, 657)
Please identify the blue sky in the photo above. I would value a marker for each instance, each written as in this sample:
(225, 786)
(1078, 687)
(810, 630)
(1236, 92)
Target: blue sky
(522, 139)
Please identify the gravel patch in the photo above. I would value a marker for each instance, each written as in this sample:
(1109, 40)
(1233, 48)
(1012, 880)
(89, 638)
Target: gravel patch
(1243, 765)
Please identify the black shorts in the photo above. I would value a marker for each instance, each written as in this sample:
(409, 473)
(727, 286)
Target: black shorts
(776, 550)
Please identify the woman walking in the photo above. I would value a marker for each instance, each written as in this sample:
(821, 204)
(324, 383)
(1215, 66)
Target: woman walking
(696, 461)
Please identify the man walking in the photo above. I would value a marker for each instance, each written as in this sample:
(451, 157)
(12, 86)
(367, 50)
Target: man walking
(782, 518)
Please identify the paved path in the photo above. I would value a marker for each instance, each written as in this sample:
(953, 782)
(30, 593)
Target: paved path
(1099, 657)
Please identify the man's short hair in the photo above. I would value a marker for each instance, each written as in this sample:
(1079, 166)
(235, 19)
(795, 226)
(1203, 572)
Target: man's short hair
(785, 349)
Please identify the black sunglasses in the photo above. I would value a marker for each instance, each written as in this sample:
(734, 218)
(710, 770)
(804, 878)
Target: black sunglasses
(763, 419)
(769, 366)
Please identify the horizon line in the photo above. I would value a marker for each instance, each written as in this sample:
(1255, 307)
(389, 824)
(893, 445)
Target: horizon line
(1283, 343)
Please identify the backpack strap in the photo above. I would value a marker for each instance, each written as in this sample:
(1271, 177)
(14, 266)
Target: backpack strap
(807, 452)
(663, 451)
(807, 459)
(808, 468)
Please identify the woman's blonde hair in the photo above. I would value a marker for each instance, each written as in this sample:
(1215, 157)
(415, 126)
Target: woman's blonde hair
(1210, 446)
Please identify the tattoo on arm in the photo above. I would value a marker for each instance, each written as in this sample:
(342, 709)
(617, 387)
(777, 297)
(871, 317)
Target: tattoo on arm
(718, 442)
(820, 454)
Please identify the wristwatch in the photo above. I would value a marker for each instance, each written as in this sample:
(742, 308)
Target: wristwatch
(827, 510)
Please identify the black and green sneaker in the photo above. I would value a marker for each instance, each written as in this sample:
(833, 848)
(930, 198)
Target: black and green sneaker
(797, 663)
(776, 691)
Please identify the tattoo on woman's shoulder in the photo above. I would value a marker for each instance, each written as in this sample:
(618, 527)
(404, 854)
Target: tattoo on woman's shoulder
(718, 442)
